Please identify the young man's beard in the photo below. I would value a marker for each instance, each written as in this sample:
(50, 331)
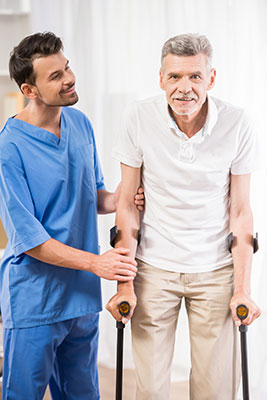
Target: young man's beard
(73, 100)
(61, 100)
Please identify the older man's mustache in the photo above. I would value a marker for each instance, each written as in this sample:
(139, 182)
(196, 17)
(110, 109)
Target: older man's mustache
(184, 98)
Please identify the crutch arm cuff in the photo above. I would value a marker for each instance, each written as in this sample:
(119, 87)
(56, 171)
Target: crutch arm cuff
(115, 235)
(232, 240)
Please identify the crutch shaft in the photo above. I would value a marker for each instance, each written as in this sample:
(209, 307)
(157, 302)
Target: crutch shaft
(124, 310)
(244, 361)
(120, 327)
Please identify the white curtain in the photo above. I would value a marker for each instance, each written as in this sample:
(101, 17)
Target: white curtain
(114, 49)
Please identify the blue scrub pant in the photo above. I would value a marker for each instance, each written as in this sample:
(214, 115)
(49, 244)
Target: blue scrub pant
(63, 355)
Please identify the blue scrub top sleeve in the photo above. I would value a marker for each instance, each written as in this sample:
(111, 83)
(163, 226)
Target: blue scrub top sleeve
(99, 177)
(23, 229)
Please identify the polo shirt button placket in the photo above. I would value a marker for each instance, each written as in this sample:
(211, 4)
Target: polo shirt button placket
(186, 152)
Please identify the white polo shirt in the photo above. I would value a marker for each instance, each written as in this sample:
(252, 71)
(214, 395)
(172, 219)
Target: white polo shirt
(186, 181)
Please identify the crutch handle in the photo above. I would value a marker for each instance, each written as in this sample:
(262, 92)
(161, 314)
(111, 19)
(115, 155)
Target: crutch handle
(242, 311)
(124, 309)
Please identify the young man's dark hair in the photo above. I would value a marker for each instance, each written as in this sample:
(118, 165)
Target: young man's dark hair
(31, 47)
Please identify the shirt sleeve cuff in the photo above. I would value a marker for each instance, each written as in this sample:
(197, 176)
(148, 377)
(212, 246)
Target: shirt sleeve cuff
(100, 186)
(127, 160)
(31, 243)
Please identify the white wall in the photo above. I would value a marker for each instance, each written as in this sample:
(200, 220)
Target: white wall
(114, 48)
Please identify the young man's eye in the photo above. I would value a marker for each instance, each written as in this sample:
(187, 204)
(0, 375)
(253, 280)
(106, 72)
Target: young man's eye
(54, 77)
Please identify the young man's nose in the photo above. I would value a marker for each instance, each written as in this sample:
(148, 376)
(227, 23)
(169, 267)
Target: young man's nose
(69, 78)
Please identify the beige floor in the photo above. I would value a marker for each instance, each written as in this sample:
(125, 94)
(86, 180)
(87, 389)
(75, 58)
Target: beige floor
(107, 386)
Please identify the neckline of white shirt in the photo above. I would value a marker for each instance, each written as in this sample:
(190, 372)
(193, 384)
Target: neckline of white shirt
(198, 137)
(209, 124)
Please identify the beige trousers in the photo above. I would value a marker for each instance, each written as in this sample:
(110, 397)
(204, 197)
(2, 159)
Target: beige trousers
(215, 364)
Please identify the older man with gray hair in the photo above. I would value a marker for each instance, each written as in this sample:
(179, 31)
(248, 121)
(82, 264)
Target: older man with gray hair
(194, 154)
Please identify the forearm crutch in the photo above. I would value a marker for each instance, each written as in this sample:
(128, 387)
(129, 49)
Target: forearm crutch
(124, 309)
(242, 313)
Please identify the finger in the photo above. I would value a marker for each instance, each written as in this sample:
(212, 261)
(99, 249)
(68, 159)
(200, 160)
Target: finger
(140, 208)
(123, 278)
(140, 189)
(130, 261)
(115, 314)
(117, 276)
(124, 320)
(125, 269)
(237, 321)
(121, 250)
(124, 260)
(125, 272)
(248, 320)
(251, 317)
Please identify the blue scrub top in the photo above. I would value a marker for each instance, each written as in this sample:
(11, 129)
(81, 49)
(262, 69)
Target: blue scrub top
(48, 189)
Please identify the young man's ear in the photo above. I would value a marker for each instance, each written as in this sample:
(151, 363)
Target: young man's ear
(28, 90)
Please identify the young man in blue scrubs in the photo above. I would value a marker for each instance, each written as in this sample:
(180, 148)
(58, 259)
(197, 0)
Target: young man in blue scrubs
(51, 188)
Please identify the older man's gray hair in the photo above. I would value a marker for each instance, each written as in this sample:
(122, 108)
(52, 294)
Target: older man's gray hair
(189, 44)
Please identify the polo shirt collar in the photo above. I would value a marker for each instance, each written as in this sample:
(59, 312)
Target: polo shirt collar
(211, 119)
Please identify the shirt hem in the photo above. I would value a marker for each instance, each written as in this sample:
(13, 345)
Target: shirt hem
(47, 320)
(187, 270)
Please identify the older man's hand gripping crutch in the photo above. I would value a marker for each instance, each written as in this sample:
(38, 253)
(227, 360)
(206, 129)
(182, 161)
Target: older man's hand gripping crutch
(242, 312)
